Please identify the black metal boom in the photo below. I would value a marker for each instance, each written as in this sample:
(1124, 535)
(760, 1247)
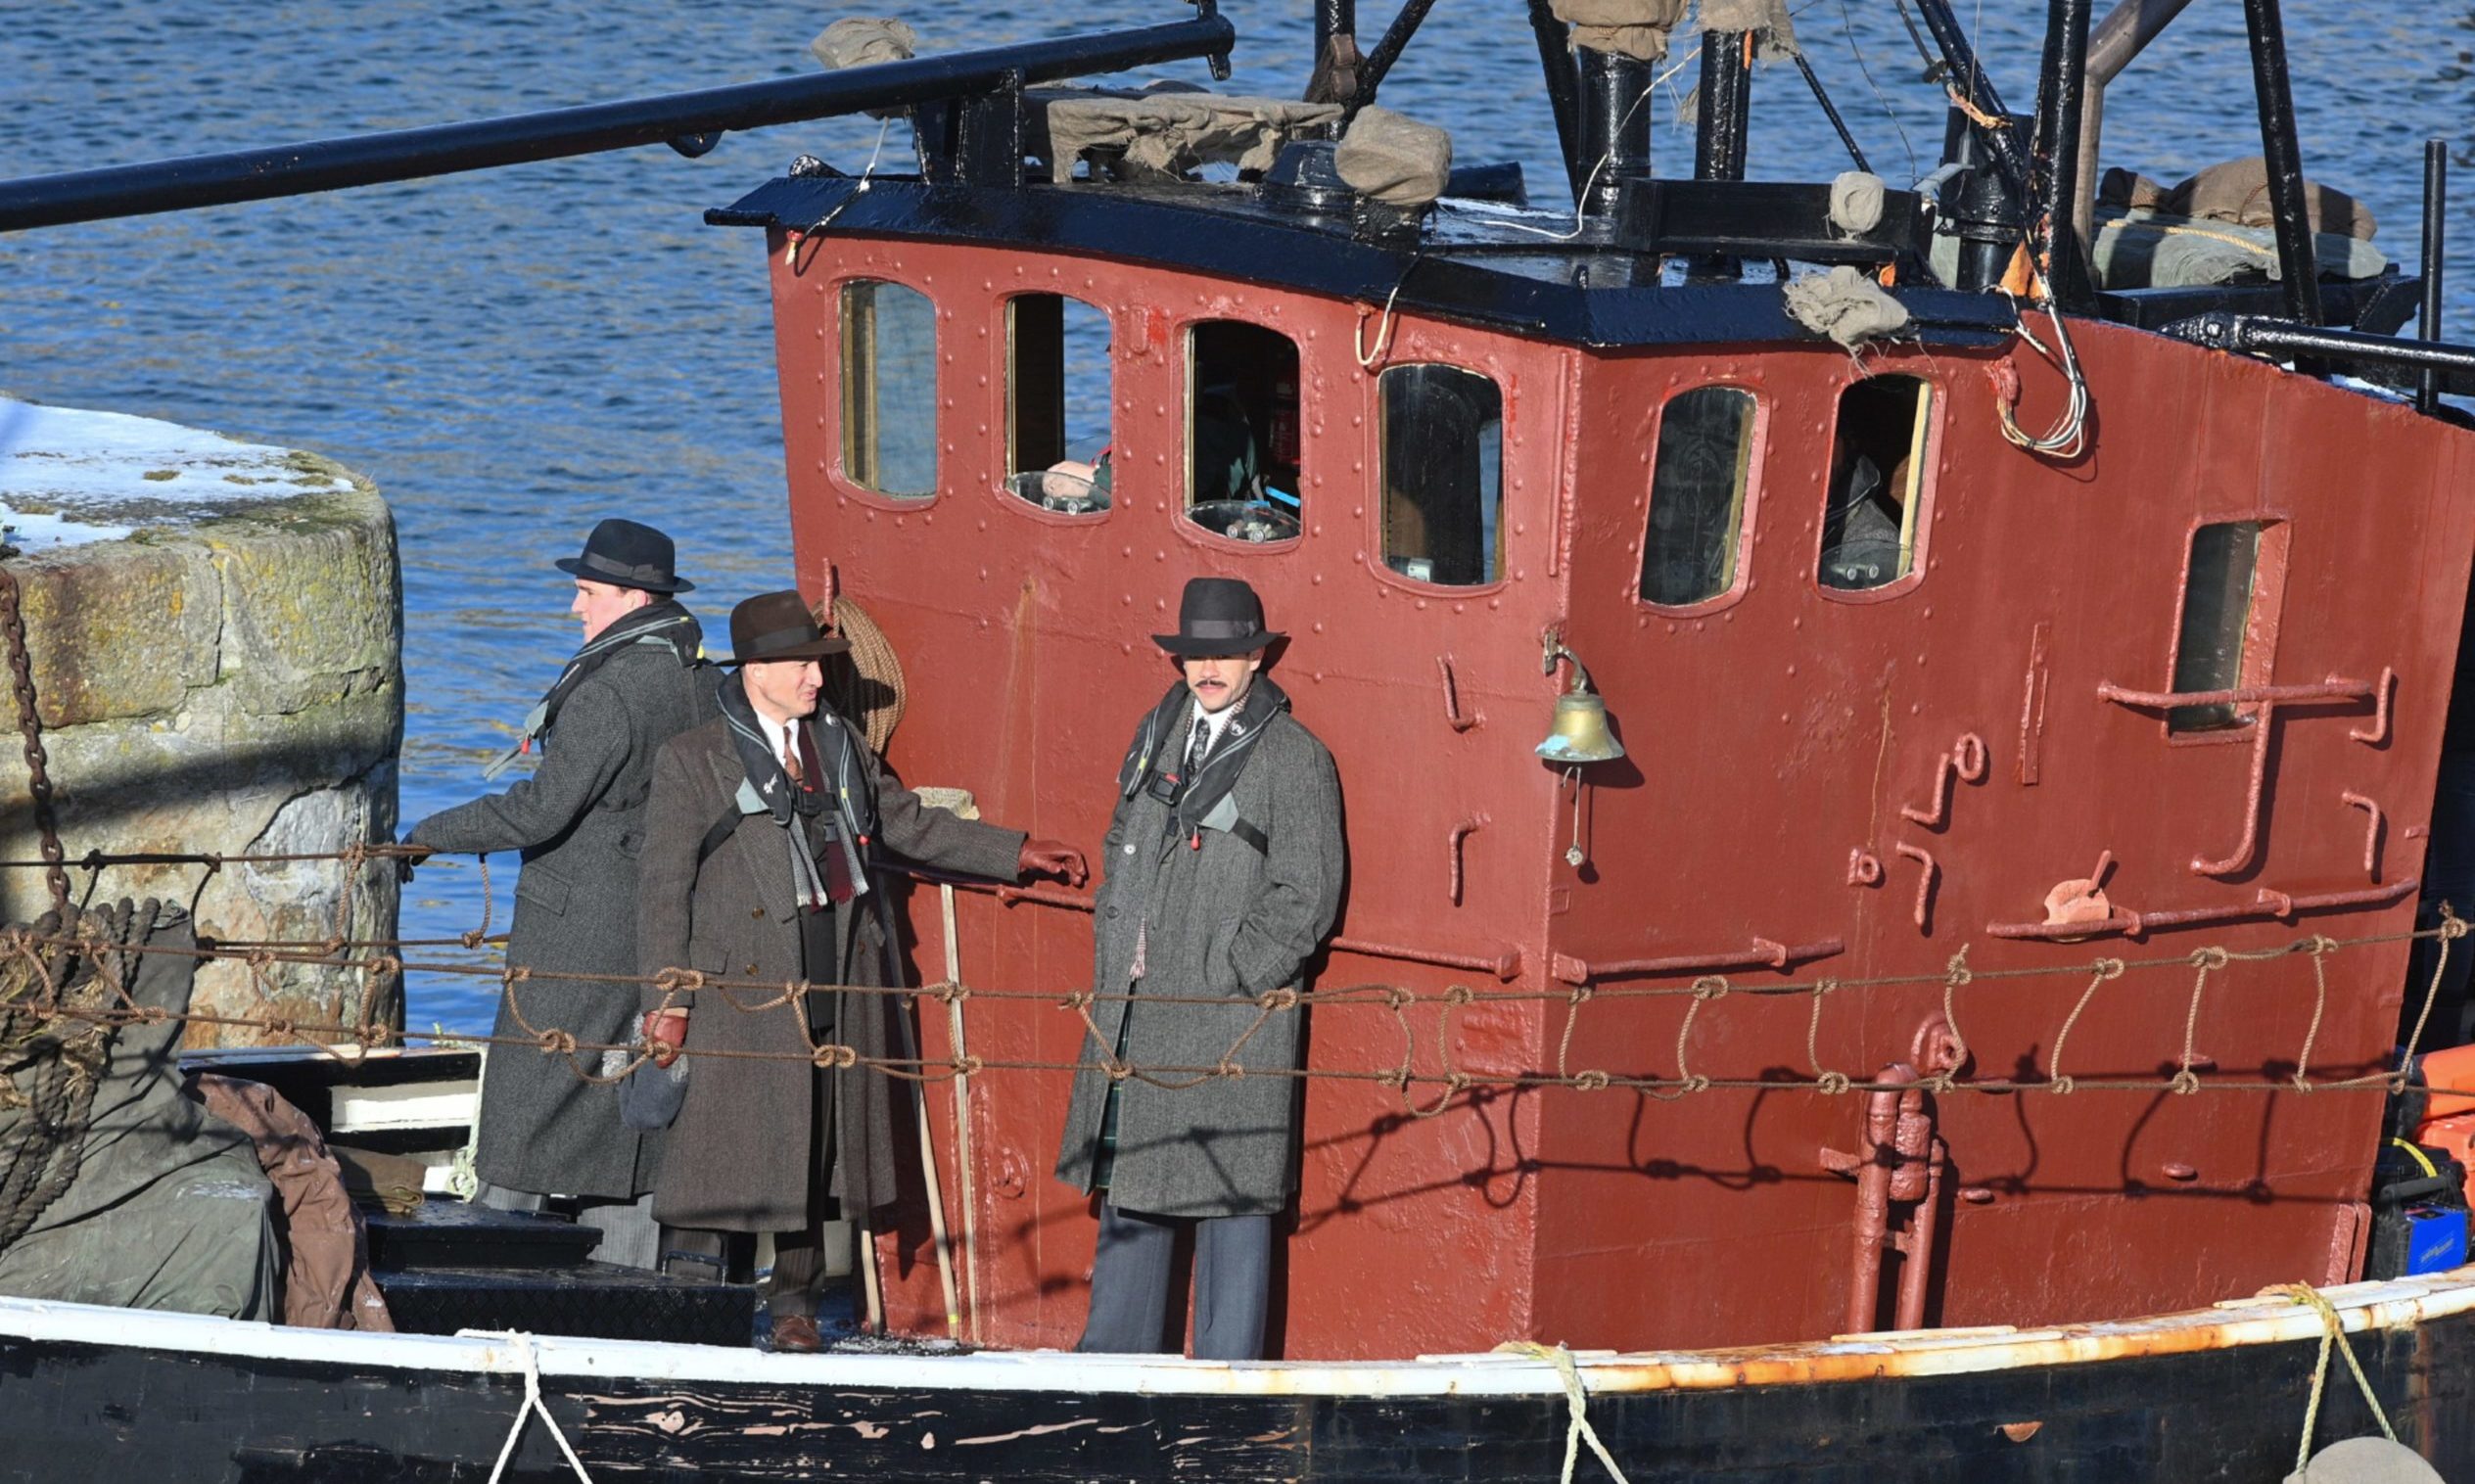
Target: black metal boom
(328, 165)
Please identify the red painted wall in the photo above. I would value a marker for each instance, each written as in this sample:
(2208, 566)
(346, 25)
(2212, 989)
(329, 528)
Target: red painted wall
(1771, 732)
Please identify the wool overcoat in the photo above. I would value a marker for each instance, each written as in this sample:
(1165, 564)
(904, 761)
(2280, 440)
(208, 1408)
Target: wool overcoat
(1221, 920)
(579, 822)
(738, 1157)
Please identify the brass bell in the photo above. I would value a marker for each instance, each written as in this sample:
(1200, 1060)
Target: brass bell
(1580, 734)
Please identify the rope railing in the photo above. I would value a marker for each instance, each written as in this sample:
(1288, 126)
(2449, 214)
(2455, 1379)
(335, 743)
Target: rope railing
(1425, 1092)
(47, 992)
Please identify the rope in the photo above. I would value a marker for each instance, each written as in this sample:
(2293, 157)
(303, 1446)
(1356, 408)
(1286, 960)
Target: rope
(1578, 1431)
(2107, 968)
(2332, 1332)
(41, 997)
(1825, 1080)
(1976, 116)
(2204, 962)
(1957, 974)
(531, 1369)
(463, 1176)
(2452, 927)
(341, 1033)
(2319, 949)
(868, 690)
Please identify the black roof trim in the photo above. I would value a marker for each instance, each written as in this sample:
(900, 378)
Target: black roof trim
(1223, 232)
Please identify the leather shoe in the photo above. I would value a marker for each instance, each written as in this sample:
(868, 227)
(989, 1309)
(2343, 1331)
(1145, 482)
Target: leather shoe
(797, 1333)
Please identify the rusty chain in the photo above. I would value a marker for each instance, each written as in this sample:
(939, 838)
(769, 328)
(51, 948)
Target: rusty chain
(38, 775)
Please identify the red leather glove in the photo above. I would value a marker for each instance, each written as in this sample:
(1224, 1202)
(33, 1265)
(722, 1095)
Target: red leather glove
(1053, 857)
(665, 1032)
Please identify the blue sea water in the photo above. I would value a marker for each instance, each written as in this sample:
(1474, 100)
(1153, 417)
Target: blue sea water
(513, 355)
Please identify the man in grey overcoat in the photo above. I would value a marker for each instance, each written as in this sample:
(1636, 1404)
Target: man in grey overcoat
(579, 824)
(1222, 873)
(763, 826)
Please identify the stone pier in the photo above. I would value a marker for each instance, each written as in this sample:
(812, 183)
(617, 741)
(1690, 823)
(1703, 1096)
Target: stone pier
(216, 631)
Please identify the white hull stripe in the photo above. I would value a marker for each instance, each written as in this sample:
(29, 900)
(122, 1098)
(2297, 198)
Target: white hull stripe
(2397, 1304)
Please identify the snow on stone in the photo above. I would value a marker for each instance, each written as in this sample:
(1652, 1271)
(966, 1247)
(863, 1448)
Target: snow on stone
(68, 477)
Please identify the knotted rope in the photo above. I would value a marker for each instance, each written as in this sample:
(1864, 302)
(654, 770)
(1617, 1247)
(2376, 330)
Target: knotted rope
(530, 1367)
(2204, 962)
(1578, 1431)
(2332, 1333)
(2106, 968)
(1825, 1080)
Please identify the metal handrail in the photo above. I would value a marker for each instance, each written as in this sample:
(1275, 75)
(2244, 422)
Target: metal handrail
(327, 164)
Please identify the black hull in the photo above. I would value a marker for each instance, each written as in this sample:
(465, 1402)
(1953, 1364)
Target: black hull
(2226, 1406)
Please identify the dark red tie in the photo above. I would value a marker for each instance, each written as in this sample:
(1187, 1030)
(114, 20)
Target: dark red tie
(792, 747)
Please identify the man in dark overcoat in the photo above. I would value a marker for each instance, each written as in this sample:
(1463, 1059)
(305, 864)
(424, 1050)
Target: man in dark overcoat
(763, 829)
(1222, 873)
(579, 824)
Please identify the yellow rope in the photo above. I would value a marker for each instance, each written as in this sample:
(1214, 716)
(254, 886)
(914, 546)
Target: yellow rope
(1579, 1430)
(2416, 1152)
(2332, 1332)
(2129, 225)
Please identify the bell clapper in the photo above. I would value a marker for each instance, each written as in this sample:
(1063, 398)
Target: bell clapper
(1573, 855)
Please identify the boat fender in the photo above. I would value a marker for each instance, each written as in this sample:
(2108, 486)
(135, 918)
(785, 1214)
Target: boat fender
(2367, 1460)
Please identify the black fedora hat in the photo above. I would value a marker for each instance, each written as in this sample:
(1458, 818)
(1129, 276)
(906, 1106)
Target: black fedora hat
(1217, 616)
(777, 625)
(626, 554)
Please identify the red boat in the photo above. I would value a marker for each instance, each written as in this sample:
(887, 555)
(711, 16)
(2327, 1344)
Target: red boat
(1993, 696)
(1879, 808)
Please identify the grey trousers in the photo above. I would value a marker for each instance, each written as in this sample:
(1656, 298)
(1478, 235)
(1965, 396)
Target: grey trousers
(1130, 1284)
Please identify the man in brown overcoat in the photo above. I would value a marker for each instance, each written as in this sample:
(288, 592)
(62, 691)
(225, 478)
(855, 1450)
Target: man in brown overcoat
(1223, 872)
(759, 839)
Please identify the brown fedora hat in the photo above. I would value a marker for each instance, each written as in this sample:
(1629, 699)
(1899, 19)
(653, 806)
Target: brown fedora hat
(777, 625)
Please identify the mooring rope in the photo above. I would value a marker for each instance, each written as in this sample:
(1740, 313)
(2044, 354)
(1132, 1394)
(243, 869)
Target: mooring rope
(2332, 1333)
(530, 1367)
(1578, 1430)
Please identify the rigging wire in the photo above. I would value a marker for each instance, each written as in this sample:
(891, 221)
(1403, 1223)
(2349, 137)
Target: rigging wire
(2068, 438)
(1847, 29)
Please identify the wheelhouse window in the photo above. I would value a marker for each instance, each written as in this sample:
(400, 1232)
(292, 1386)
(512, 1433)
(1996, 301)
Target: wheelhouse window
(1697, 496)
(1443, 474)
(1878, 469)
(889, 389)
(1241, 432)
(2219, 590)
(1057, 400)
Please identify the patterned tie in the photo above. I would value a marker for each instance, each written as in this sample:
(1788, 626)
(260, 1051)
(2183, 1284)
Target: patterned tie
(1195, 749)
(790, 756)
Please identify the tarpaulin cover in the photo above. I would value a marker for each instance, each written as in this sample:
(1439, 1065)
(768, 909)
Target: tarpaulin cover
(1394, 159)
(1768, 18)
(1627, 27)
(862, 40)
(1160, 135)
(168, 1208)
(2236, 191)
(1845, 305)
